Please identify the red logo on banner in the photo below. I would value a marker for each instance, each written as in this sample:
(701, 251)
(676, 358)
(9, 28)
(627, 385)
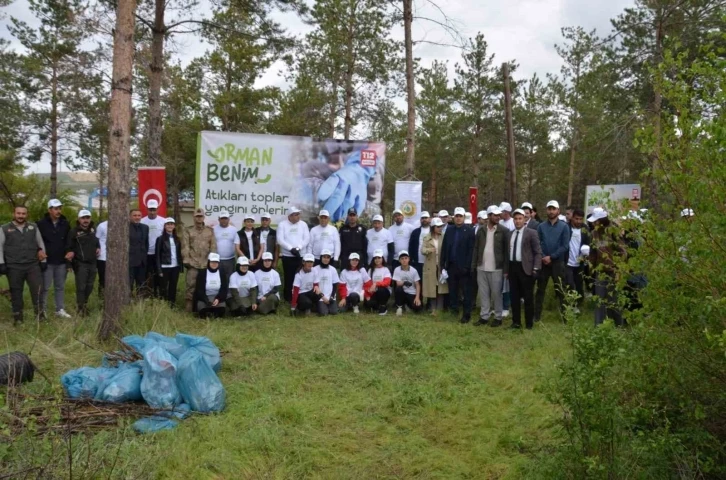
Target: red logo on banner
(152, 186)
(473, 204)
(368, 158)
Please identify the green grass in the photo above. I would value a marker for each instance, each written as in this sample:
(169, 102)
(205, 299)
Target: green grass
(336, 397)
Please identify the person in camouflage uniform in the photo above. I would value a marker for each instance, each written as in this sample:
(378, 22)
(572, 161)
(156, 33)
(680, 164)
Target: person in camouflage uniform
(198, 242)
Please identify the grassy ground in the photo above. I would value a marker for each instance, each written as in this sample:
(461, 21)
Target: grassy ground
(337, 397)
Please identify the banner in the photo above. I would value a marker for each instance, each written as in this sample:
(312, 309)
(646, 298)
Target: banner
(152, 185)
(255, 174)
(473, 203)
(602, 195)
(408, 200)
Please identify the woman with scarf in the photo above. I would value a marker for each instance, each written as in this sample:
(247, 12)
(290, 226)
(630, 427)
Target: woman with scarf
(268, 286)
(328, 281)
(242, 289)
(210, 292)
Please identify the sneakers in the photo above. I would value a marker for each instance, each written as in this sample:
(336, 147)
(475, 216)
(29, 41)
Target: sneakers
(356, 310)
(382, 311)
(399, 311)
(62, 313)
(505, 313)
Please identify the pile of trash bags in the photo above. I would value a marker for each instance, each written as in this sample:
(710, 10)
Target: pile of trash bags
(177, 376)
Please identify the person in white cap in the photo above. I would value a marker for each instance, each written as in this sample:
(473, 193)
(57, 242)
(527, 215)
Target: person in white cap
(481, 220)
(379, 238)
(407, 285)
(415, 243)
(268, 237)
(54, 229)
(138, 254)
(605, 250)
(211, 289)
(82, 250)
(525, 262)
(379, 291)
(169, 261)
(554, 237)
(156, 228)
(456, 255)
(198, 242)
(225, 235)
(304, 297)
(354, 280)
(328, 281)
(243, 290)
(434, 290)
(445, 219)
(353, 239)
(575, 270)
(293, 236)
(401, 233)
(506, 217)
(491, 264)
(247, 242)
(101, 234)
(324, 236)
(269, 285)
(529, 220)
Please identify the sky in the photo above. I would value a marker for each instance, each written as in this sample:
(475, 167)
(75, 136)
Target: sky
(521, 30)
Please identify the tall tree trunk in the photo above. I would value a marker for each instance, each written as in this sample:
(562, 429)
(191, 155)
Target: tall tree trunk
(434, 181)
(117, 291)
(54, 133)
(156, 70)
(657, 103)
(410, 88)
(101, 177)
(333, 105)
(511, 165)
(349, 75)
(574, 140)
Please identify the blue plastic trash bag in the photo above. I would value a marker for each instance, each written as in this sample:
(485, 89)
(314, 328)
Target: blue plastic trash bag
(158, 385)
(125, 386)
(154, 424)
(180, 411)
(199, 385)
(167, 343)
(136, 342)
(204, 346)
(84, 382)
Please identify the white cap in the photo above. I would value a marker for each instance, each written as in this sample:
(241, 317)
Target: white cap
(481, 214)
(397, 211)
(243, 261)
(267, 256)
(326, 252)
(170, 220)
(403, 253)
(84, 213)
(687, 212)
(266, 215)
(467, 218)
(459, 211)
(493, 210)
(308, 257)
(633, 216)
(585, 250)
(443, 213)
(526, 205)
(597, 214)
(378, 253)
(250, 217)
(505, 207)
(54, 202)
(353, 256)
(377, 218)
(436, 222)
(324, 213)
(519, 210)
(152, 204)
(213, 257)
(293, 210)
(425, 214)
(553, 203)
(223, 214)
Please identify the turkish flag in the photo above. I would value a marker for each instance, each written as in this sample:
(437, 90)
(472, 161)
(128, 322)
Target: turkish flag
(473, 204)
(152, 186)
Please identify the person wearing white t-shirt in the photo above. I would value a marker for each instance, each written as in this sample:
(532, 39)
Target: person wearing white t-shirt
(324, 237)
(304, 286)
(101, 234)
(210, 291)
(379, 291)
(406, 285)
(225, 234)
(293, 237)
(242, 300)
(327, 288)
(380, 238)
(353, 283)
(268, 285)
(401, 233)
(247, 242)
(156, 228)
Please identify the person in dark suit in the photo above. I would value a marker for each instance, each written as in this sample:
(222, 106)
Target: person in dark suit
(455, 258)
(529, 214)
(138, 249)
(415, 243)
(525, 262)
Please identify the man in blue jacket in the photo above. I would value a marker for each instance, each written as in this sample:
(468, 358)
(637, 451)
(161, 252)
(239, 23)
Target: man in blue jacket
(554, 237)
(455, 258)
(54, 228)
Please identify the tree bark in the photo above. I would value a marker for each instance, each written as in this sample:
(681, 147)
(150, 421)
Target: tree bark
(333, 105)
(156, 70)
(117, 267)
(54, 133)
(511, 165)
(574, 140)
(657, 104)
(101, 178)
(410, 89)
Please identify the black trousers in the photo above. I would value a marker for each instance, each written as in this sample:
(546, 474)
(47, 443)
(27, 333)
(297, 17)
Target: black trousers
(521, 286)
(85, 278)
(556, 271)
(137, 276)
(101, 268)
(575, 279)
(352, 300)
(18, 275)
(152, 276)
(290, 266)
(378, 299)
(168, 284)
(308, 301)
(460, 281)
(405, 299)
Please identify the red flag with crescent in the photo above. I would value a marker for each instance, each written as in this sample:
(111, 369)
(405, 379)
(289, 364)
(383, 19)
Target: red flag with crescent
(152, 186)
(473, 203)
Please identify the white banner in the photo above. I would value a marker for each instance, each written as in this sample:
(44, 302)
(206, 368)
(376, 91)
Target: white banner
(255, 174)
(408, 200)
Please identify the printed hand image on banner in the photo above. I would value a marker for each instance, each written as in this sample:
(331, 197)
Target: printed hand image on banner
(255, 174)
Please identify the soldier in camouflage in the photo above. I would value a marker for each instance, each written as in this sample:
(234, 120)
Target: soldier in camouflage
(198, 241)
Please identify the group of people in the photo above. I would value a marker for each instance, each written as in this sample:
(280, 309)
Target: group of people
(440, 265)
